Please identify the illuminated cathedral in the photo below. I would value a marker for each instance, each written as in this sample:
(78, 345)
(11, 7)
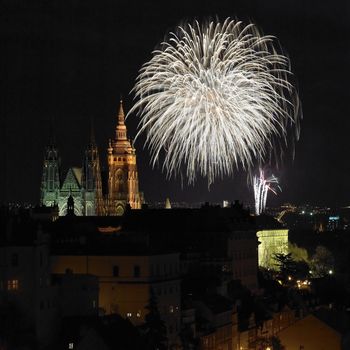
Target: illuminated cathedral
(84, 186)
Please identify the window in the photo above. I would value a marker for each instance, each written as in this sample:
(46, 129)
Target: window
(138, 314)
(14, 259)
(116, 271)
(129, 314)
(71, 346)
(94, 304)
(136, 271)
(171, 309)
(12, 285)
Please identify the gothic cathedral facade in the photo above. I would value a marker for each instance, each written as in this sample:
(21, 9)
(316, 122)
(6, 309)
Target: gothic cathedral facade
(84, 185)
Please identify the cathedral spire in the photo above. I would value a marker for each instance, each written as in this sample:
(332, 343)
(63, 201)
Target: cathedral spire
(121, 115)
(121, 128)
(50, 181)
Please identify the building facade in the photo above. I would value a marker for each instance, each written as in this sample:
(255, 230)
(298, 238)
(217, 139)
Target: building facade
(126, 282)
(85, 185)
(25, 282)
(272, 242)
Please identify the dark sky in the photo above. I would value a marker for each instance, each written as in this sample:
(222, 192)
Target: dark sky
(71, 60)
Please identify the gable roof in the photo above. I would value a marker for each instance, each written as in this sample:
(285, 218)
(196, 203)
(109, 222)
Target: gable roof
(72, 180)
(311, 333)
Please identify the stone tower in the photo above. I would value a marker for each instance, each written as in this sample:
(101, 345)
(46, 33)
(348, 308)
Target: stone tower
(50, 181)
(123, 184)
(91, 180)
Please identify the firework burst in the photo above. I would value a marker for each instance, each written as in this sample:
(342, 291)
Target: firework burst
(262, 186)
(216, 98)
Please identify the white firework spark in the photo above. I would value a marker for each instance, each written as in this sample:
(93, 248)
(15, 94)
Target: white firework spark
(262, 186)
(215, 98)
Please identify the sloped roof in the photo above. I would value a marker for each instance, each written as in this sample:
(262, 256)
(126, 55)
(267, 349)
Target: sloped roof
(312, 334)
(72, 180)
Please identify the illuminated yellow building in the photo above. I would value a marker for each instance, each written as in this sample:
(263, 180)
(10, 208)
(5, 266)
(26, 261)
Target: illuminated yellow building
(274, 241)
(125, 283)
(123, 183)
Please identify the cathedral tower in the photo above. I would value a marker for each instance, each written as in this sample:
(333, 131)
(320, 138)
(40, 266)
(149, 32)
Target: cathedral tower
(123, 184)
(91, 180)
(50, 182)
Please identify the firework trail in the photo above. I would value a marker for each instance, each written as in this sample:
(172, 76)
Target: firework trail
(262, 186)
(215, 98)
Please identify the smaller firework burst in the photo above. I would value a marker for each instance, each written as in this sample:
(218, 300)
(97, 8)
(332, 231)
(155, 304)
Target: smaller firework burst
(262, 186)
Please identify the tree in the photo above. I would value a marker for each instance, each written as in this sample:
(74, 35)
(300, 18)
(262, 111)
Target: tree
(155, 330)
(322, 262)
(276, 343)
(298, 253)
(285, 264)
(273, 343)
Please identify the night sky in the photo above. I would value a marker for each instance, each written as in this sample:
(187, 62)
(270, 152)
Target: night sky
(70, 60)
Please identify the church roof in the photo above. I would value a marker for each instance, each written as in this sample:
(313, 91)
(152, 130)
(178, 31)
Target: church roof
(72, 180)
(78, 174)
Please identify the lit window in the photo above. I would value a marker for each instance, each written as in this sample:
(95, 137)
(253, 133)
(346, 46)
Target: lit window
(12, 284)
(129, 314)
(71, 346)
(94, 304)
(171, 309)
(138, 314)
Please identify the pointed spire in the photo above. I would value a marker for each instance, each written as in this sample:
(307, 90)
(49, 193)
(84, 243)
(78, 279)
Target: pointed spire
(121, 127)
(121, 115)
(167, 203)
